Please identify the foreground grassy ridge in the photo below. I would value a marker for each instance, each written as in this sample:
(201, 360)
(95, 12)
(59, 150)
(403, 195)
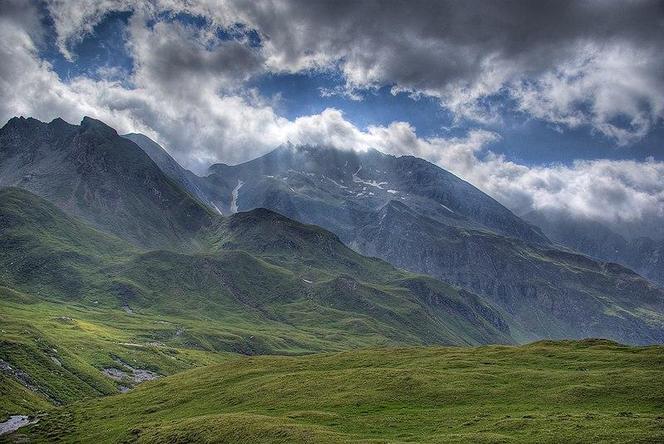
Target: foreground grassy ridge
(588, 391)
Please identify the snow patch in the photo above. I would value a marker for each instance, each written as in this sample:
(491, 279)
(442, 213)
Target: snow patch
(448, 209)
(14, 423)
(371, 183)
(392, 191)
(217, 208)
(335, 182)
(235, 194)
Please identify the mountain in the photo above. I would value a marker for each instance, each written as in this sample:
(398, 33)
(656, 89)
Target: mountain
(401, 209)
(422, 218)
(257, 265)
(76, 302)
(642, 254)
(90, 171)
(434, 191)
(361, 183)
(171, 168)
(97, 297)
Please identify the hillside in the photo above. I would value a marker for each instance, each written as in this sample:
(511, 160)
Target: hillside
(76, 299)
(171, 168)
(421, 218)
(91, 172)
(589, 391)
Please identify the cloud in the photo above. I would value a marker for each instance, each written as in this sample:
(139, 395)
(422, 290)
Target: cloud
(183, 91)
(595, 64)
(178, 59)
(187, 87)
(609, 83)
(75, 20)
(571, 63)
(626, 195)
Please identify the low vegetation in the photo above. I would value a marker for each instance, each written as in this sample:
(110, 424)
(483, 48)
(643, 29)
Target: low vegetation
(587, 391)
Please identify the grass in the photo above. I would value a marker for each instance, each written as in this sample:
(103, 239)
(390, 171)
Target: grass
(585, 391)
(74, 301)
(57, 352)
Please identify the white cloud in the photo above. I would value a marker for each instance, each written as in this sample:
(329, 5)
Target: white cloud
(597, 87)
(188, 112)
(203, 115)
(74, 20)
(596, 64)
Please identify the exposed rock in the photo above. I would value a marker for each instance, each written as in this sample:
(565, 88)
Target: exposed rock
(14, 423)
(424, 219)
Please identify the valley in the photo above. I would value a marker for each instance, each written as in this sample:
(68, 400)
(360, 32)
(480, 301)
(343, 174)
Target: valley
(142, 303)
(331, 221)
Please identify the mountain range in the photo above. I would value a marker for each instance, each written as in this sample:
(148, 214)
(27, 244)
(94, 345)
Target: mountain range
(109, 266)
(422, 218)
(119, 266)
(504, 280)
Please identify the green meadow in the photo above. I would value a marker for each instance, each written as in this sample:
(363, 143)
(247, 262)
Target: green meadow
(576, 391)
(267, 330)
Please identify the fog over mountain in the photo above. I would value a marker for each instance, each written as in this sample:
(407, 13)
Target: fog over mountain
(567, 119)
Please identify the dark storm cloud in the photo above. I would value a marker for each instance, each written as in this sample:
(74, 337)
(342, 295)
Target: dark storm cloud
(511, 29)
(407, 36)
(557, 59)
(177, 57)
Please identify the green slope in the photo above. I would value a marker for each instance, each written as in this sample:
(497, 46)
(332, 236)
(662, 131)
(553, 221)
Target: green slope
(74, 301)
(421, 218)
(589, 391)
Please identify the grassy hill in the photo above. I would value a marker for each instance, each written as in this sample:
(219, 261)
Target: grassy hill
(588, 391)
(75, 301)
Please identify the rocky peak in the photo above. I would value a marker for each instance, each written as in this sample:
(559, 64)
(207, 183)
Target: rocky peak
(88, 124)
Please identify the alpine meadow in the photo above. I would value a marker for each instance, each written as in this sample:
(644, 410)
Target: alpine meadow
(331, 221)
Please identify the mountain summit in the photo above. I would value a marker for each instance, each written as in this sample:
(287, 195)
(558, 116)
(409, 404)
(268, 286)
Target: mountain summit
(91, 172)
(422, 218)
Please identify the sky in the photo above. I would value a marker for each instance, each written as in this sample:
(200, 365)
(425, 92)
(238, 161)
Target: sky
(546, 106)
